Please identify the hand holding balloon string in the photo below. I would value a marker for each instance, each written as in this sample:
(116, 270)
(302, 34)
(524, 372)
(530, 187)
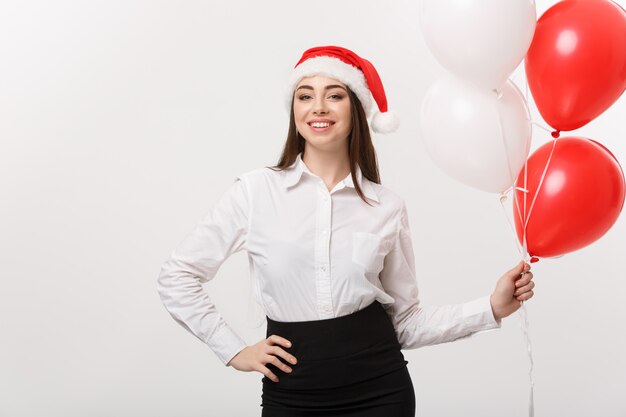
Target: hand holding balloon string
(514, 287)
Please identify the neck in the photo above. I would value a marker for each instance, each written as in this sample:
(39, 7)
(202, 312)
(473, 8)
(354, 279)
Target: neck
(331, 167)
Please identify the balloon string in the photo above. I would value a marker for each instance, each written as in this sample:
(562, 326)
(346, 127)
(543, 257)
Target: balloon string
(543, 175)
(526, 256)
(512, 175)
(523, 249)
(522, 310)
(525, 199)
(524, 324)
(519, 214)
(525, 87)
(542, 127)
(503, 137)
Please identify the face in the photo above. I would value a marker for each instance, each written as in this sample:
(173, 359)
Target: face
(321, 108)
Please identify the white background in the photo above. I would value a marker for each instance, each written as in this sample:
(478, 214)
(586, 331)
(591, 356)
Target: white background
(121, 122)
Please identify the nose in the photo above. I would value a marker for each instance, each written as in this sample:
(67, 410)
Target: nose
(320, 106)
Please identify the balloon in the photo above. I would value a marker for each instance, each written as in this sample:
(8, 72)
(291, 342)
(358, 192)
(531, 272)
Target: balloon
(474, 136)
(581, 196)
(482, 41)
(576, 63)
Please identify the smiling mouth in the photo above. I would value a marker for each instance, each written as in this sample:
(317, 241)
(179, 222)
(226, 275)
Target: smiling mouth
(320, 125)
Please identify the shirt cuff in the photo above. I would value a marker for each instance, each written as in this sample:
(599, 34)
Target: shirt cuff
(479, 315)
(226, 343)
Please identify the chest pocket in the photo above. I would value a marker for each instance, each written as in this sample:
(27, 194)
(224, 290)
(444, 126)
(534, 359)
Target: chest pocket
(369, 250)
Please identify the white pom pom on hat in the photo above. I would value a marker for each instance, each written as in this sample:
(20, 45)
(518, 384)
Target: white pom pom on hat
(357, 73)
(385, 122)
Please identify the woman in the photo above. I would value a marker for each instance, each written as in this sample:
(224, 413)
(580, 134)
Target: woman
(331, 260)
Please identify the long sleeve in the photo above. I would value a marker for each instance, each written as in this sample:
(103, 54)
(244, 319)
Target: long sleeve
(196, 260)
(418, 326)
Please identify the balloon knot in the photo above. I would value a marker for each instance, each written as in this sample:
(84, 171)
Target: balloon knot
(556, 134)
(534, 259)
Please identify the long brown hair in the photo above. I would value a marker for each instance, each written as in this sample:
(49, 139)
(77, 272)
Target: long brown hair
(361, 150)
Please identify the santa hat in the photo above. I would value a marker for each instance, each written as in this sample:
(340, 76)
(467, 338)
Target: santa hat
(355, 72)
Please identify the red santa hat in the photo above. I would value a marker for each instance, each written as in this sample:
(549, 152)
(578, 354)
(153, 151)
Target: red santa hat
(355, 72)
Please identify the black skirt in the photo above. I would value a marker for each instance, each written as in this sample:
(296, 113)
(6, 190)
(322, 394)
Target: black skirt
(347, 366)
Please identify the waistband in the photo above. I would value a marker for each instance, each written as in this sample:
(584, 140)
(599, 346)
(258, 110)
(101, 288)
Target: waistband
(339, 336)
(339, 351)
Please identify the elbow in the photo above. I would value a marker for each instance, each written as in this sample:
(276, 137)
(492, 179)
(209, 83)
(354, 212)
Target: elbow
(175, 281)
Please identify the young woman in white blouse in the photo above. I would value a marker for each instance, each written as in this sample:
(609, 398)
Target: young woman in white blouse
(331, 260)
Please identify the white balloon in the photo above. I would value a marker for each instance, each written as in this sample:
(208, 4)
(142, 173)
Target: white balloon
(479, 40)
(474, 135)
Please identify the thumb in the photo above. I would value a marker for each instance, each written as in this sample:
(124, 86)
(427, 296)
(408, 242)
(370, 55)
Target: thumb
(515, 272)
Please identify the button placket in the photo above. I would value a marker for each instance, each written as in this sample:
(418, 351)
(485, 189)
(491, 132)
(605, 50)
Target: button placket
(322, 255)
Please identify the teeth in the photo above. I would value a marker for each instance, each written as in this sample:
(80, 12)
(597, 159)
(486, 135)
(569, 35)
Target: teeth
(320, 124)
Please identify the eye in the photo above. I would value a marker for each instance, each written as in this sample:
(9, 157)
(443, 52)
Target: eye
(304, 97)
(336, 96)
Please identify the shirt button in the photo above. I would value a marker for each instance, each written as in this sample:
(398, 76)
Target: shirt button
(323, 267)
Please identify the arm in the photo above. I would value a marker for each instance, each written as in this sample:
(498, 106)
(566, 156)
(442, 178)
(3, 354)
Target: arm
(416, 325)
(196, 260)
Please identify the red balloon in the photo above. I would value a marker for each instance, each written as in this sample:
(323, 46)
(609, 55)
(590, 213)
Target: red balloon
(576, 63)
(580, 199)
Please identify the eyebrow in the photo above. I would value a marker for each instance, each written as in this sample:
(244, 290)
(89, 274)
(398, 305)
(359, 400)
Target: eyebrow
(328, 87)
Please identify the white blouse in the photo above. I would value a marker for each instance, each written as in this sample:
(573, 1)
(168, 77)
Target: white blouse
(313, 255)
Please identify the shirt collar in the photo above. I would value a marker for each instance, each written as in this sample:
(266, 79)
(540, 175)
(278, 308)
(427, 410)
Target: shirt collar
(293, 174)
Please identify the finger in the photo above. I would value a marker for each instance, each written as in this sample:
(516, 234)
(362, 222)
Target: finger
(286, 356)
(524, 279)
(526, 296)
(265, 371)
(278, 363)
(524, 289)
(279, 340)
